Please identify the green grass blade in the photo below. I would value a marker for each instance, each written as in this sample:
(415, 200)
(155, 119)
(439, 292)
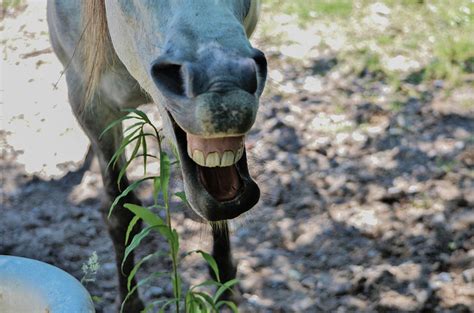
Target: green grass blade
(165, 175)
(137, 266)
(199, 304)
(156, 189)
(124, 145)
(144, 148)
(208, 282)
(206, 298)
(134, 244)
(141, 114)
(138, 125)
(174, 150)
(147, 155)
(211, 261)
(175, 242)
(130, 227)
(137, 239)
(182, 196)
(152, 304)
(123, 170)
(139, 284)
(114, 123)
(145, 214)
(124, 193)
(168, 303)
(189, 302)
(230, 304)
(226, 286)
(125, 142)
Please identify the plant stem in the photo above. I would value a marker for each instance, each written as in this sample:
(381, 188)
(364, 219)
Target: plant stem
(173, 258)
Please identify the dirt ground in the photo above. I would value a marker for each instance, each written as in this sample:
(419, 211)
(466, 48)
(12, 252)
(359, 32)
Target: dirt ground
(365, 207)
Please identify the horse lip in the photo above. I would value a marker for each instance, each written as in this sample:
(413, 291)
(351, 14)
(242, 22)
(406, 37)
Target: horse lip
(203, 203)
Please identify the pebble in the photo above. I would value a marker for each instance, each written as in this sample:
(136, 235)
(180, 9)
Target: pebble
(468, 276)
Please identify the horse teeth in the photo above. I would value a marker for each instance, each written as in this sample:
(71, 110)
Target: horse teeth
(227, 158)
(213, 159)
(239, 154)
(198, 157)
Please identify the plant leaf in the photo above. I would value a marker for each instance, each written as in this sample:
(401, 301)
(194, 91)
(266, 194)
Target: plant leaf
(114, 123)
(141, 114)
(125, 142)
(124, 193)
(175, 242)
(137, 124)
(230, 304)
(199, 304)
(139, 284)
(182, 196)
(145, 214)
(226, 286)
(169, 302)
(138, 238)
(207, 298)
(165, 175)
(134, 244)
(152, 304)
(137, 266)
(151, 219)
(156, 188)
(130, 227)
(144, 147)
(208, 282)
(123, 170)
(211, 261)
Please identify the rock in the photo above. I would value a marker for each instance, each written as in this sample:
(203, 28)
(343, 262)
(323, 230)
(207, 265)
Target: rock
(468, 276)
(447, 191)
(286, 138)
(309, 282)
(439, 280)
(392, 300)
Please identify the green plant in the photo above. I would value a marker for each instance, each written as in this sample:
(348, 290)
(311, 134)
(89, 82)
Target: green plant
(307, 10)
(193, 299)
(6, 4)
(90, 268)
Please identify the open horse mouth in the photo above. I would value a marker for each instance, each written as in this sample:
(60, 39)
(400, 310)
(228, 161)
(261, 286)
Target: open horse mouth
(215, 158)
(216, 177)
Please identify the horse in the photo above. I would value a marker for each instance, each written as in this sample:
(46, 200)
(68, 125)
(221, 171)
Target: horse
(193, 59)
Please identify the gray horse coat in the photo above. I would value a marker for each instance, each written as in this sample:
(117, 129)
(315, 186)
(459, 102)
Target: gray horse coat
(193, 59)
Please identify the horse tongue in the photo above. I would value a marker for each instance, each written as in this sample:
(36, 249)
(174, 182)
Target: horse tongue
(223, 183)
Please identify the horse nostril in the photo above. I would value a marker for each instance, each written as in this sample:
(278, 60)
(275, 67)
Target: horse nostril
(250, 81)
(168, 77)
(261, 61)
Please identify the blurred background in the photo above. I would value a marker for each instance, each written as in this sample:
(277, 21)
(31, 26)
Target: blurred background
(363, 148)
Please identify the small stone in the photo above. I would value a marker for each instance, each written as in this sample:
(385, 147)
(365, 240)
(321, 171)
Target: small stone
(468, 275)
(294, 274)
(309, 282)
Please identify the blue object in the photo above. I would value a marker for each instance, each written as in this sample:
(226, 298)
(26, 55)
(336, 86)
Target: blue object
(30, 286)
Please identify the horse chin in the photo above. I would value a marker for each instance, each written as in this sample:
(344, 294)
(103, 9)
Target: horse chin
(216, 193)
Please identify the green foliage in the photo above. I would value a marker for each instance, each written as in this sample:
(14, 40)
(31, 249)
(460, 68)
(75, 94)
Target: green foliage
(306, 10)
(90, 268)
(435, 37)
(193, 299)
(6, 4)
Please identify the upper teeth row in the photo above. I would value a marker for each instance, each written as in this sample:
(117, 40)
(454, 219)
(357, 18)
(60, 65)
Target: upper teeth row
(214, 159)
